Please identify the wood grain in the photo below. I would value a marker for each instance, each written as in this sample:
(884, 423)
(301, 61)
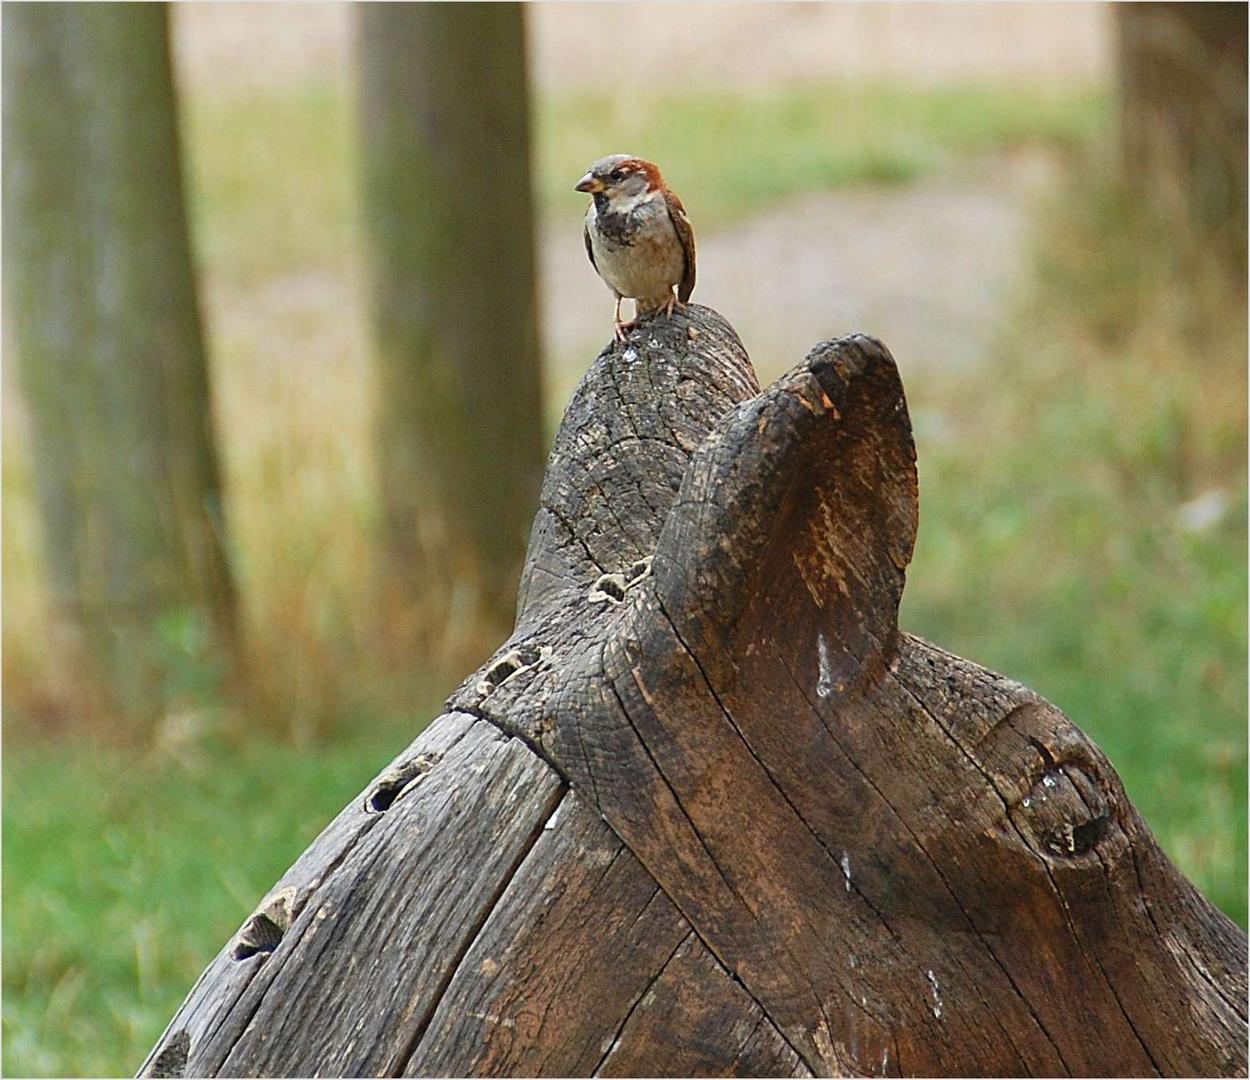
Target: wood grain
(694, 1020)
(572, 945)
(790, 838)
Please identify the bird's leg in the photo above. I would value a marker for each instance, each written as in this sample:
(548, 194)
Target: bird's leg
(619, 326)
(672, 303)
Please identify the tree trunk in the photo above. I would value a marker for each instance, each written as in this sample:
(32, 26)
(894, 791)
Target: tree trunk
(102, 307)
(709, 812)
(1183, 114)
(451, 247)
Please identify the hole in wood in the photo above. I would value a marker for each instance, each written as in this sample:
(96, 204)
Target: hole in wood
(608, 588)
(513, 661)
(260, 934)
(172, 1060)
(638, 571)
(611, 588)
(1048, 759)
(395, 782)
(1078, 839)
(1066, 813)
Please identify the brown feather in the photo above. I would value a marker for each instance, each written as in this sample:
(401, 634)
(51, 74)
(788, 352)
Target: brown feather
(590, 251)
(685, 233)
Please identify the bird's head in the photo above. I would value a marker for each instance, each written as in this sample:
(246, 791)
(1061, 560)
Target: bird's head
(620, 181)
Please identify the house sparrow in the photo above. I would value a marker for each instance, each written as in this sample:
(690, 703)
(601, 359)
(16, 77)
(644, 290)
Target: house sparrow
(637, 236)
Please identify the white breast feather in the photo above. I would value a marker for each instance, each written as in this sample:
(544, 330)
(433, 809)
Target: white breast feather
(651, 265)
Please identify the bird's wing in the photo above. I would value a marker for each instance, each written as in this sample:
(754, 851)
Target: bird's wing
(685, 233)
(590, 251)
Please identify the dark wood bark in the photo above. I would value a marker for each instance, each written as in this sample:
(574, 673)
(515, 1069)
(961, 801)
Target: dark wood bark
(101, 304)
(448, 203)
(709, 812)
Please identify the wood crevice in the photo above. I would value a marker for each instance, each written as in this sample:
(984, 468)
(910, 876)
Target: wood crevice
(777, 785)
(1044, 863)
(959, 903)
(400, 1063)
(1237, 1005)
(615, 1041)
(645, 854)
(708, 944)
(797, 961)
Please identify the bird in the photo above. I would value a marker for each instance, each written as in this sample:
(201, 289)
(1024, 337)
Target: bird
(638, 237)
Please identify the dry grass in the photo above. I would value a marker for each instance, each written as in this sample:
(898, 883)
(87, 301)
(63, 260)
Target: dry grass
(273, 196)
(1084, 513)
(1083, 528)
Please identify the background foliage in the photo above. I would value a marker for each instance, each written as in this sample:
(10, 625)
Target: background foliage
(1083, 494)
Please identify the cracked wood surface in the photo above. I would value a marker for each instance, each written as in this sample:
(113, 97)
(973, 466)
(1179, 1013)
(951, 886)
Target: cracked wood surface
(709, 812)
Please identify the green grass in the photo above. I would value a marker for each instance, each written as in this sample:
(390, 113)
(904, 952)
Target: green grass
(731, 154)
(124, 874)
(1057, 541)
(1052, 546)
(273, 191)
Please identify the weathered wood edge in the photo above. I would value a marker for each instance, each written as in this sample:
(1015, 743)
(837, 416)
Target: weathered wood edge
(225, 979)
(520, 699)
(553, 712)
(382, 937)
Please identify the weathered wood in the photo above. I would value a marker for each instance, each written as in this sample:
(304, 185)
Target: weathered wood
(383, 931)
(354, 879)
(695, 1021)
(798, 840)
(571, 947)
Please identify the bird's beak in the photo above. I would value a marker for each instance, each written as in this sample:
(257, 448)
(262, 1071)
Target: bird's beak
(589, 184)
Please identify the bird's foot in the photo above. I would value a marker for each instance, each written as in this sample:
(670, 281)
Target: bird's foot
(619, 325)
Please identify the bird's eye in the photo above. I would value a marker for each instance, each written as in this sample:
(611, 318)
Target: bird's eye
(615, 175)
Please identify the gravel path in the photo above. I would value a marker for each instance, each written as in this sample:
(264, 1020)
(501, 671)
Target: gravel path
(231, 45)
(927, 267)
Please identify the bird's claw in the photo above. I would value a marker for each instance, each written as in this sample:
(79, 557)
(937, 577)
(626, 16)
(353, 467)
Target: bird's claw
(622, 328)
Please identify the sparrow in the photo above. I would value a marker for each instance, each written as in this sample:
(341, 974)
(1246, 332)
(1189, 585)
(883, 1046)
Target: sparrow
(637, 236)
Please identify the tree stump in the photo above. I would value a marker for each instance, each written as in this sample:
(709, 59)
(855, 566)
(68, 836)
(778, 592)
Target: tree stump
(709, 811)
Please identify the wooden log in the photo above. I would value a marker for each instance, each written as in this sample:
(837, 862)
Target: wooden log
(709, 812)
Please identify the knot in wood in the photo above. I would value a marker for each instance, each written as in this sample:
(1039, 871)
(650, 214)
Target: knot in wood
(709, 811)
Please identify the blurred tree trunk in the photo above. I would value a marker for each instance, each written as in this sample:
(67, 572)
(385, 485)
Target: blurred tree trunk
(1183, 114)
(449, 208)
(101, 308)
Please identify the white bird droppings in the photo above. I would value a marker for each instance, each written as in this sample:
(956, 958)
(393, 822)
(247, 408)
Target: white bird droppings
(554, 820)
(492, 1018)
(824, 685)
(937, 995)
(846, 869)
